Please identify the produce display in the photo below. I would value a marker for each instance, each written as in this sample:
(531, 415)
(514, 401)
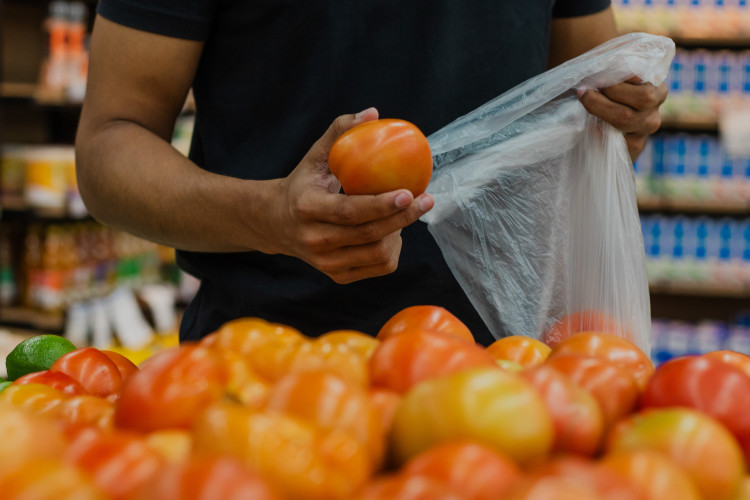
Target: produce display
(259, 411)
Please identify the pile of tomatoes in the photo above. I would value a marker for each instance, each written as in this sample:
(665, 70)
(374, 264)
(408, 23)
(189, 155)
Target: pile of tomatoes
(259, 411)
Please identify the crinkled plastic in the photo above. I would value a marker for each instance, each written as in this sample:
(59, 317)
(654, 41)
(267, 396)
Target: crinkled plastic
(535, 207)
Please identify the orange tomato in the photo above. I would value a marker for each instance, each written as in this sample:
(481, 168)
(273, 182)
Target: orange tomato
(469, 467)
(244, 335)
(613, 388)
(359, 342)
(170, 389)
(617, 350)
(433, 318)
(174, 445)
(745, 489)
(407, 487)
(206, 477)
(382, 155)
(243, 383)
(35, 398)
(43, 479)
(739, 360)
(695, 442)
(525, 351)
(652, 474)
(88, 410)
(329, 402)
(497, 408)
(583, 321)
(578, 420)
(302, 462)
(26, 436)
(119, 463)
(402, 361)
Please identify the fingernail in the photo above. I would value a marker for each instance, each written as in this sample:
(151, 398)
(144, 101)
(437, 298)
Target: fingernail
(358, 117)
(426, 203)
(403, 199)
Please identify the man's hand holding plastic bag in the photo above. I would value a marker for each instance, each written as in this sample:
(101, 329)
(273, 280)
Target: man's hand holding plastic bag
(535, 209)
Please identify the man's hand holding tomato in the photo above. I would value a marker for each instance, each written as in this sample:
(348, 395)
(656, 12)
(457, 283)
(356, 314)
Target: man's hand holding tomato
(348, 238)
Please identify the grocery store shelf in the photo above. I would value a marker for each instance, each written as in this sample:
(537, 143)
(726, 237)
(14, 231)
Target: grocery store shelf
(32, 91)
(18, 204)
(692, 206)
(27, 317)
(728, 42)
(703, 290)
(690, 123)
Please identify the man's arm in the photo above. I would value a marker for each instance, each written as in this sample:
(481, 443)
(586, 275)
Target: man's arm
(131, 178)
(632, 106)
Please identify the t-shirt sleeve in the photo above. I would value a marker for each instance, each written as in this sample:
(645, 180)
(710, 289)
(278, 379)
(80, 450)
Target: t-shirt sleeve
(187, 19)
(575, 8)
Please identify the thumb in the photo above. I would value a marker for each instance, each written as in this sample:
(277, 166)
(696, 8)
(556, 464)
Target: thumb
(340, 125)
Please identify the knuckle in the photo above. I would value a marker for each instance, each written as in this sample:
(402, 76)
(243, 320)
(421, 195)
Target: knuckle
(345, 213)
(653, 122)
(649, 97)
(312, 240)
(623, 117)
(300, 209)
(381, 252)
(338, 126)
(366, 233)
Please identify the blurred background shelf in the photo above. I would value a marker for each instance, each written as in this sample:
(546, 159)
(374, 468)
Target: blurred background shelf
(32, 318)
(712, 207)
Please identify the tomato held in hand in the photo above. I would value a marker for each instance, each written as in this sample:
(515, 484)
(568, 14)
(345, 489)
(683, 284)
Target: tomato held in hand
(380, 156)
(475, 470)
(433, 318)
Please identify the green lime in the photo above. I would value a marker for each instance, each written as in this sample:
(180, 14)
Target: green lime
(36, 354)
(4, 384)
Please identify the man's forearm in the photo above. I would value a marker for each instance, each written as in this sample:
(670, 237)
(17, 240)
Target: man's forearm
(132, 179)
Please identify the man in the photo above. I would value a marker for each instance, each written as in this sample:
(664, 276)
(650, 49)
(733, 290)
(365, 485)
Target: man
(254, 212)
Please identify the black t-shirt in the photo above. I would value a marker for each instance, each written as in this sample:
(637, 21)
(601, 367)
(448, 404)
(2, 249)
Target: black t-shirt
(272, 77)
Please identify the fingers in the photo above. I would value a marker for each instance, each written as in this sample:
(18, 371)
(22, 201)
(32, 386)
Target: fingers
(350, 264)
(641, 97)
(625, 117)
(340, 125)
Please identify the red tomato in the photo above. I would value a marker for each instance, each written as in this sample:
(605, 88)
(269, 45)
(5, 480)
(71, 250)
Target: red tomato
(170, 389)
(697, 443)
(741, 361)
(469, 467)
(708, 385)
(92, 369)
(497, 408)
(579, 423)
(118, 463)
(584, 321)
(126, 367)
(401, 362)
(407, 488)
(205, 477)
(329, 402)
(301, 461)
(44, 479)
(613, 388)
(525, 351)
(593, 480)
(380, 156)
(617, 350)
(652, 474)
(433, 318)
(56, 380)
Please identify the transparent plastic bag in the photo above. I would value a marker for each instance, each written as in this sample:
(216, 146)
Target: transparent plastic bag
(535, 205)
